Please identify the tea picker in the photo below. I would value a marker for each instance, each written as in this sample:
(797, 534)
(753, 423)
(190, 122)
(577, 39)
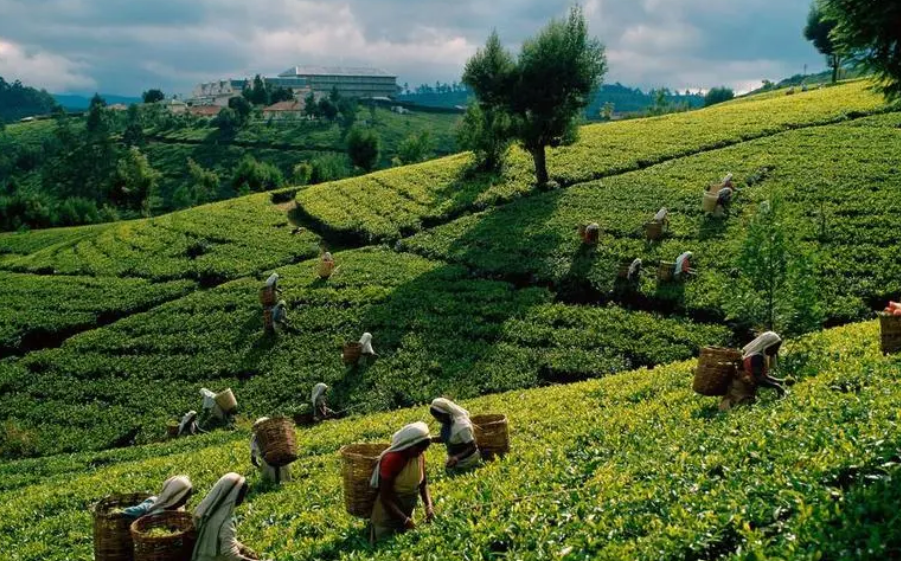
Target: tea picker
(219, 409)
(277, 316)
(682, 269)
(758, 358)
(658, 226)
(589, 233)
(174, 496)
(270, 473)
(457, 434)
(354, 351)
(214, 519)
(718, 196)
(319, 399)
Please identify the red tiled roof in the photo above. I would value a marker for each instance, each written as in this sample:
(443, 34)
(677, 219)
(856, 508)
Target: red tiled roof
(205, 110)
(290, 105)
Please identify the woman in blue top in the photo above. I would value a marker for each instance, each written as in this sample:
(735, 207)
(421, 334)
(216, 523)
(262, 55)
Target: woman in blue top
(174, 496)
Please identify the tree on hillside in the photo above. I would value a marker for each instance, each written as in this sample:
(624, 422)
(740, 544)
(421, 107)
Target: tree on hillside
(153, 96)
(279, 93)
(327, 109)
(257, 93)
(818, 31)
(252, 176)
(134, 129)
(18, 101)
(718, 95)
(363, 148)
(310, 108)
(97, 123)
(415, 148)
(869, 33)
(547, 88)
(242, 109)
(137, 183)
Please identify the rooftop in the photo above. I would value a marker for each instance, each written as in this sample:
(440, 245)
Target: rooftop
(334, 71)
(290, 105)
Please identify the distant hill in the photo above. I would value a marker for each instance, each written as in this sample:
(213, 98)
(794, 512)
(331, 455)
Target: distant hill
(623, 98)
(80, 102)
(18, 101)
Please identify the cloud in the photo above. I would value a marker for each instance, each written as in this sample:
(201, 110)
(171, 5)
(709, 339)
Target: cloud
(48, 70)
(126, 47)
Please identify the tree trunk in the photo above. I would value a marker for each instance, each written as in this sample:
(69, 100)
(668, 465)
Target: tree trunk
(538, 154)
(836, 63)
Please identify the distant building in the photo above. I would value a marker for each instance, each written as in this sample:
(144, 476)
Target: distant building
(118, 107)
(284, 110)
(175, 106)
(204, 110)
(350, 82)
(220, 91)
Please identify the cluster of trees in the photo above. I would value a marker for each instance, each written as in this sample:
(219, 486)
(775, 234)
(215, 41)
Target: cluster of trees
(261, 93)
(867, 34)
(718, 95)
(534, 99)
(438, 88)
(18, 101)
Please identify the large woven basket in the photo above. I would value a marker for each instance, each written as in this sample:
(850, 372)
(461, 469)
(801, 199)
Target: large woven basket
(304, 419)
(665, 271)
(708, 204)
(716, 368)
(352, 352)
(890, 327)
(177, 546)
(172, 429)
(359, 461)
(277, 442)
(653, 230)
(325, 269)
(622, 272)
(267, 297)
(492, 434)
(112, 538)
(226, 400)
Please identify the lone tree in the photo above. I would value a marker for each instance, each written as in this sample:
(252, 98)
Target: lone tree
(363, 148)
(718, 95)
(546, 89)
(153, 96)
(869, 33)
(818, 31)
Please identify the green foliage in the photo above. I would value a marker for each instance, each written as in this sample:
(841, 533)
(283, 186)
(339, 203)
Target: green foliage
(153, 96)
(255, 176)
(18, 101)
(137, 183)
(819, 32)
(415, 148)
(718, 95)
(487, 132)
(363, 147)
(868, 33)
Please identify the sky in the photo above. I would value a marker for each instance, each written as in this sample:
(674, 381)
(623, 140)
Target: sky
(127, 46)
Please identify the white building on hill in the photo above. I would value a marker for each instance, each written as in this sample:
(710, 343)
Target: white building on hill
(350, 82)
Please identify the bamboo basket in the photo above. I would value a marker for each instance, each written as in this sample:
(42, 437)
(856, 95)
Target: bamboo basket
(359, 460)
(172, 429)
(178, 546)
(492, 434)
(890, 328)
(622, 272)
(226, 401)
(665, 271)
(653, 230)
(267, 297)
(267, 319)
(716, 368)
(325, 269)
(708, 204)
(112, 538)
(352, 352)
(277, 441)
(304, 419)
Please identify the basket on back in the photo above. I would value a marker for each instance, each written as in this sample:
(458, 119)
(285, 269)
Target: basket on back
(226, 401)
(277, 441)
(172, 429)
(352, 352)
(708, 204)
(325, 269)
(492, 434)
(358, 462)
(890, 328)
(653, 230)
(112, 538)
(165, 536)
(622, 272)
(267, 297)
(666, 271)
(716, 368)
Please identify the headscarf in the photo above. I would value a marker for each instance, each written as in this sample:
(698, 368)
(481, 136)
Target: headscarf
(761, 344)
(327, 256)
(661, 215)
(366, 341)
(213, 513)
(272, 280)
(186, 421)
(459, 416)
(209, 398)
(634, 268)
(681, 260)
(318, 391)
(405, 438)
(174, 490)
(728, 178)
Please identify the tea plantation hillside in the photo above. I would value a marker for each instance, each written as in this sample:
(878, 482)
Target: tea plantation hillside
(632, 466)
(484, 287)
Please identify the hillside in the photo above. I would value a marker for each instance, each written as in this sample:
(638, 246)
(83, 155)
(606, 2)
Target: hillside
(469, 302)
(633, 466)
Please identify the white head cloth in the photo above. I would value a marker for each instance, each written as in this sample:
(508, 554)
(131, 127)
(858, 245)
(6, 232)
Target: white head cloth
(327, 256)
(318, 391)
(761, 344)
(635, 267)
(661, 215)
(366, 341)
(209, 398)
(213, 512)
(727, 178)
(405, 438)
(174, 490)
(270, 282)
(681, 259)
(186, 421)
(459, 416)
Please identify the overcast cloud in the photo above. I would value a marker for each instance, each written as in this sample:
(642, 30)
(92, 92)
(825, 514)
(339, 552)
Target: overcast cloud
(127, 46)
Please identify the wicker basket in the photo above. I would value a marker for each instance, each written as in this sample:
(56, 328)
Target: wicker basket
(325, 269)
(352, 352)
(226, 401)
(304, 419)
(178, 546)
(890, 327)
(708, 204)
(492, 434)
(665, 271)
(112, 539)
(622, 272)
(172, 429)
(277, 441)
(653, 230)
(356, 470)
(267, 297)
(716, 368)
